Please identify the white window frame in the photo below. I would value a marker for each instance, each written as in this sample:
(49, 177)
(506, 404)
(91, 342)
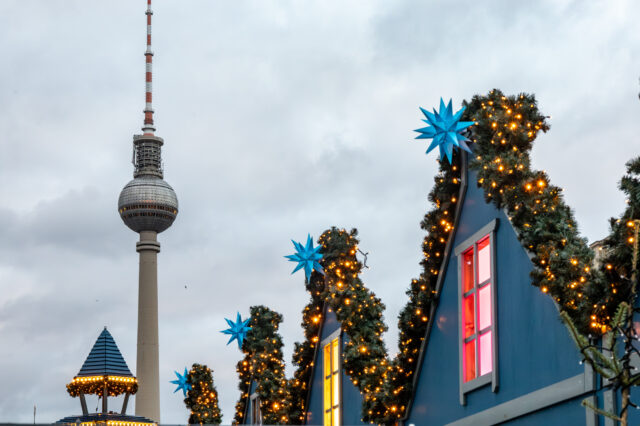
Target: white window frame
(471, 242)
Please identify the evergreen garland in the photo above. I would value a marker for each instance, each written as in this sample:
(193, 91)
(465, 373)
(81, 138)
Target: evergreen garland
(263, 364)
(202, 398)
(506, 128)
(359, 311)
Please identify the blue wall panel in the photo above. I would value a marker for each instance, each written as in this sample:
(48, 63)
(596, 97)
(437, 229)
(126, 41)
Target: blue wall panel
(351, 398)
(568, 413)
(534, 347)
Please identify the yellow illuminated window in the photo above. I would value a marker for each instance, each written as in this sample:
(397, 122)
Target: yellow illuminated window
(331, 362)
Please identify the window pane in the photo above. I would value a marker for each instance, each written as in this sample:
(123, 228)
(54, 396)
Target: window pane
(484, 260)
(467, 271)
(335, 356)
(469, 361)
(327, 418)
(327, 394)
(468, 316)
(484, 307)
(486, 355)
(336, 390)
(336, 417)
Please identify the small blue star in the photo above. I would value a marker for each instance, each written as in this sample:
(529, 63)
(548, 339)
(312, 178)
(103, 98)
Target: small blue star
(237, 330)
(182, 383)
(307, 257)
(445, 128)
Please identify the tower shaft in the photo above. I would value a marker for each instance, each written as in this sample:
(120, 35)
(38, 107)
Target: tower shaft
(147, 368)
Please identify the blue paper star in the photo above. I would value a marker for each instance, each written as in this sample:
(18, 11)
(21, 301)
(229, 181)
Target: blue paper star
(307, 257)
(445, 128)
(182, 383)
(238, 330)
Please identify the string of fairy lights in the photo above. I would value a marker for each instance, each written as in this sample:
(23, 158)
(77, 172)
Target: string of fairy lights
(95, 385)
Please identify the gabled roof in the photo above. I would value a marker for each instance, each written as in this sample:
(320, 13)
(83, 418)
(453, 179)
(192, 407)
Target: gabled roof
(105, 359)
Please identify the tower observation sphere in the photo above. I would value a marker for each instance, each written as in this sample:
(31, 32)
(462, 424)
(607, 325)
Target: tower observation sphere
(148, 203)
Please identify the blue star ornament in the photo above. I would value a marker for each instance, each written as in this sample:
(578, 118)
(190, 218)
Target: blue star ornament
(445, 128)
(238, 330)
(307, 257)
(182, 383)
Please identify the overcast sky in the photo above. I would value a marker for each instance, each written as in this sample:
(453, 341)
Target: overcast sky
(280, 118)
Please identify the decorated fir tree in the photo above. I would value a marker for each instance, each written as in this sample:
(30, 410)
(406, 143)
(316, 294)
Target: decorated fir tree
(202, 397)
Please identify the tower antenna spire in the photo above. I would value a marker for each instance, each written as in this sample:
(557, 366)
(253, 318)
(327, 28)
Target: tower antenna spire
(148, 127)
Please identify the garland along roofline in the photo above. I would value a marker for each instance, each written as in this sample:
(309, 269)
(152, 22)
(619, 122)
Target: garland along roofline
(359, 311)
(504, 130)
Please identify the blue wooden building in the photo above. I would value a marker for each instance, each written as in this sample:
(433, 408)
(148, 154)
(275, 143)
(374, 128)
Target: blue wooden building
(495, 350)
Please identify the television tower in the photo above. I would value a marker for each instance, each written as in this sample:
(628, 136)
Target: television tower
(148, 205)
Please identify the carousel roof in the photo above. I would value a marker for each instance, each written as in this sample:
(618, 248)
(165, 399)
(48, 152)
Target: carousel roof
(105, 359)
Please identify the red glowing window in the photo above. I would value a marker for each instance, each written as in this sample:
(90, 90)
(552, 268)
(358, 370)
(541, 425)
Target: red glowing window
(468, 316)
(477, 310)
(469, 361)
(467, 271)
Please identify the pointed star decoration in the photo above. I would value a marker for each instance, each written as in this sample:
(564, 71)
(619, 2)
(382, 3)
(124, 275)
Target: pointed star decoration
(445, 128)
(182, 383)
(238, 330)
(307, 257)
